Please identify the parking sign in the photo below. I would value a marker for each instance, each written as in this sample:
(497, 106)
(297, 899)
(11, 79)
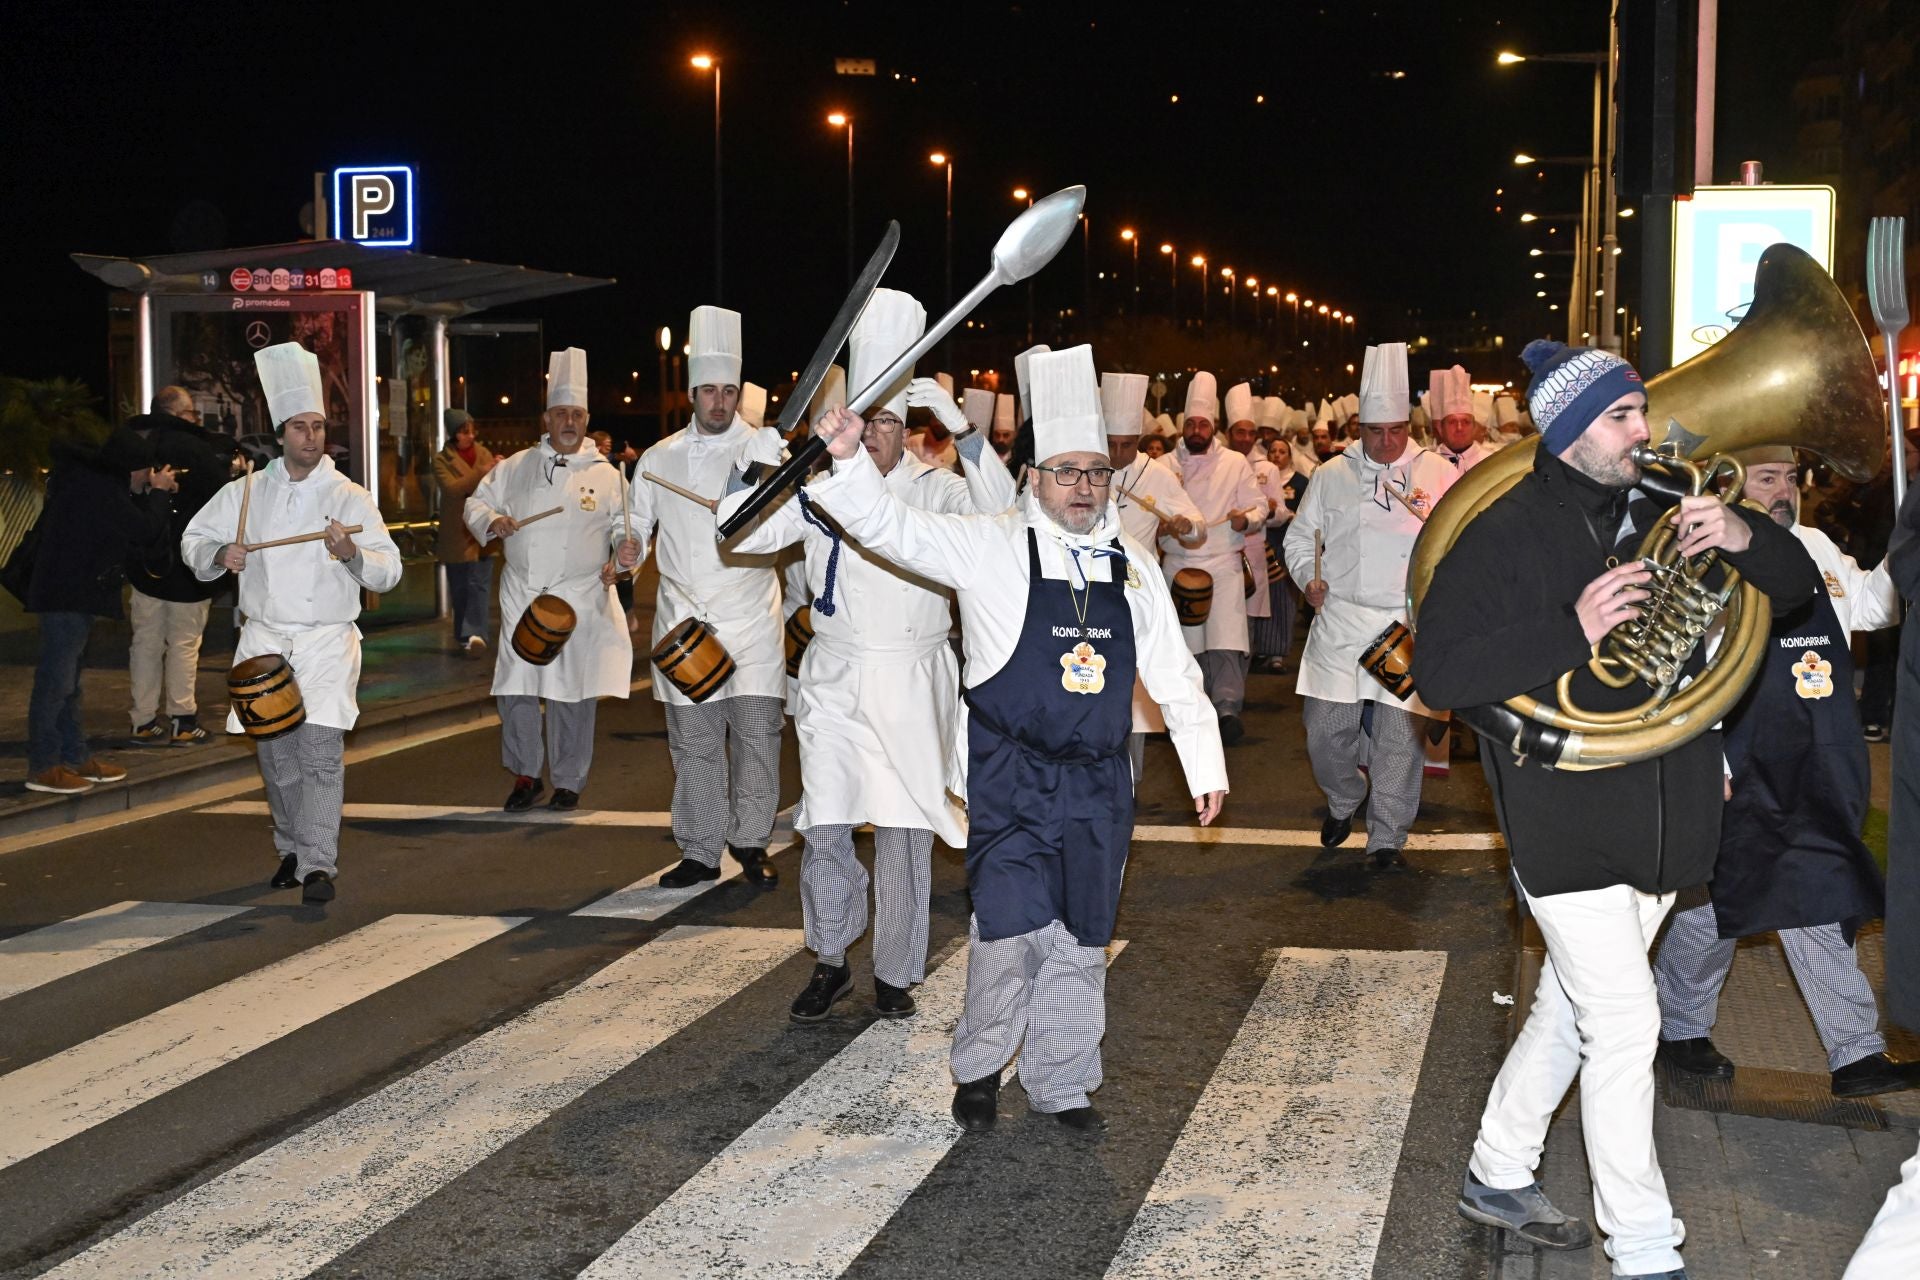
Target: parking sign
(1718, 237)
(373, 205)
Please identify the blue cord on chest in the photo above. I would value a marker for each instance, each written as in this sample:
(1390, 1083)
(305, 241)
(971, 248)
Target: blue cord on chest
(824, 604)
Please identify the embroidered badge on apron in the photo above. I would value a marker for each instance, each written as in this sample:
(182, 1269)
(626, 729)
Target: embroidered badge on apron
(587, 501)
(1133, 576)
(1083, 670)
(1834, 588)
(1813, 678)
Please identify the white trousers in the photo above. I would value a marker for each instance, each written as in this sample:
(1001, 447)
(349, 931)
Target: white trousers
(164, 658)
(1892, 1247)
(1595, 1014)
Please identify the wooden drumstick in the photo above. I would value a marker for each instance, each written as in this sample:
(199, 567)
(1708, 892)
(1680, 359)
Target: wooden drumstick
(1319, 544)
(298, 538)
(626, 522)
(554, 511)
(710, 504)
(1405, 501)
(246, 493)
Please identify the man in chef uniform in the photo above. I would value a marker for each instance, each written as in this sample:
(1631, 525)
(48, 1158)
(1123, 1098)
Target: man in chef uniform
(717, 808)
(1221, 484)
(1059, 611)
(301, 602)
(1244, 411)
(1456, 431)
(1005, 426)
(879, 687)
(1137, 481)
(564, 555)
(1368, 533)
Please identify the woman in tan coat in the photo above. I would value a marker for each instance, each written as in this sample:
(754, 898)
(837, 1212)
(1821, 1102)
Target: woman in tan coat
(459, 468)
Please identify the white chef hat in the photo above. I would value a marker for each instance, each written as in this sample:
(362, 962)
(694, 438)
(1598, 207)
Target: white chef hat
(892, 322)
(1384, 396)
(1165, 425)
(976, 406)
(1326, 416)
(1203, 398)
(290, 375)
(1450, 391)
(1505, 412)
(1350, 405)
(713, 337)
(753, 404)
(1004, 414)
(1021, 364)
(1123, 398)
(1483, 407)
(1066, 404)
(831, 395)
(1239, 403)
(567, 378)
(1270, 411)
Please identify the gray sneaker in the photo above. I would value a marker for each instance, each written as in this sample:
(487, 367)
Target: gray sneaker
(1526, 1212)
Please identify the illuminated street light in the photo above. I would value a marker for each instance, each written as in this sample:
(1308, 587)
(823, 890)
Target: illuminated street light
(1507, 59)
(1521, 158)
(1626, 213)
(1528, 217)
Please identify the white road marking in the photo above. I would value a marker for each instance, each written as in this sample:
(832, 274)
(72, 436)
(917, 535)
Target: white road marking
(646, 900)
(1307, 839)
(298, 1205)
(33, 959)
(55, 1098)
(1285, 1165)
(802, 1192)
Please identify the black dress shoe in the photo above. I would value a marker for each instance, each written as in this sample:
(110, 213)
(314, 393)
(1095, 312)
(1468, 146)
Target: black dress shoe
(754, 867)
(1386, 860)
(317, 887)
(1334, 831)
(284, 878)
(829, 985)
(1875, 1073)
(891, 1001)
(1231, 730)
(1696, 1057)
(976, 1104)
(1085, 1119)
(525, 791)
(688, 872)
(564, 800)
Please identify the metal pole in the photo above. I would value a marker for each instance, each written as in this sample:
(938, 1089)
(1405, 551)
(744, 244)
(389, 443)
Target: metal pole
(665, 391)
(1086, 271)
(437, 373)
(1707, 47)
(1589, 303)
(1204, 264)
(1610, 197)
(1136, 277)
(716, 183)
(947, 348)
(850, 252)
(1173, 288)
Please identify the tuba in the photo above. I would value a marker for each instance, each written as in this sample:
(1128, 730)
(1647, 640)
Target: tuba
(1795, 371)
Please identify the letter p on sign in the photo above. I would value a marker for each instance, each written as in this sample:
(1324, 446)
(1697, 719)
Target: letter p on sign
(372, 194)
(373, 206)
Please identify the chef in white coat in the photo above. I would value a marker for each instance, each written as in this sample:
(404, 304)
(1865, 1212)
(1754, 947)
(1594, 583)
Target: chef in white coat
(792, 561)
(1351, 719)
(1150, 501)
(878, 713)
(1059, 611)
(1006, 425)
(301, 602)
(1456, 431)
(1221, 484)
(726, 749)
(1243, 437)
(565, 555)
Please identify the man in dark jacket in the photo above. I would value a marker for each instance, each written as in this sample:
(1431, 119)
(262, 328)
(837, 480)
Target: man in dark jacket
(95, 513)
(169, 605)
(1596, 854)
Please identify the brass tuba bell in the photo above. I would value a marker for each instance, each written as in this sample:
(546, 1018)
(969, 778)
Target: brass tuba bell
(1796, 371)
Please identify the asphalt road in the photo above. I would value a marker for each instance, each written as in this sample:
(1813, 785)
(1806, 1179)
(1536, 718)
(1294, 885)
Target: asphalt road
(492, 1055)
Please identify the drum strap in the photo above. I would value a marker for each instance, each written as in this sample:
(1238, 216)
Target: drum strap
(824, 604)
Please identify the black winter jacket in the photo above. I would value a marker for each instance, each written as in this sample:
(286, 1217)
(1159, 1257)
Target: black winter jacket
(1498, 621)
(87, 529)
(205, 460)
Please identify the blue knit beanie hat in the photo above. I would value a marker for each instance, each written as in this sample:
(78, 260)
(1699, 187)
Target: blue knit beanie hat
(1571, 387)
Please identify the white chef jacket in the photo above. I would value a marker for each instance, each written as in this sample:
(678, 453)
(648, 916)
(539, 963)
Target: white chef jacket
(1474, 454)
(737, 594)
(1220, 482)
(984, 559)
(562, 556)
(1153, 478)
(1260, 603)
(879, 690)
(299, 601)
(1863, 599)
(1369, 539)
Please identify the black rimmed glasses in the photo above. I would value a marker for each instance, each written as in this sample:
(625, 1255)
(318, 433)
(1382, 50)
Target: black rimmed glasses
(1067, 477)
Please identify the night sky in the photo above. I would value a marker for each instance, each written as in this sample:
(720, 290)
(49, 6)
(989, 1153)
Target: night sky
(585, 145)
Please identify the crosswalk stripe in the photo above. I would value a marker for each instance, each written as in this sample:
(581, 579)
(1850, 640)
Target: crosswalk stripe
(1286, 1164)
(59, 950)
(302, 1203)
(1308, 839)
(468, 813)
(57, 1097)
(804, 1190)
(646, 900)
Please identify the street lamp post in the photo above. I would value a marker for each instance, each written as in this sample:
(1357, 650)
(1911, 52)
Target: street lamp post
(1226, 273)
(1173, 283)
(1086, 270)
(666, 344)
(940, 158)
(1133, 242)
(1293, 300)
(841, 119)
(1200, 261)
(1021, 193)
(707, 62)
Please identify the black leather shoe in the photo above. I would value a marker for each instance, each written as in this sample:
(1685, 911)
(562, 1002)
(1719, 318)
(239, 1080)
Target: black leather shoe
(829, 985)
(1386, 860)
(1231, 730)
(317, 887)
(754, 867)
(284, 878)
(1085, 1119)
(525, 791)
(976, 1104)
(1875, 1073)
(564, 800)
(1334, 831)
(688, 872)
(1696, 1057)
(891, 1001)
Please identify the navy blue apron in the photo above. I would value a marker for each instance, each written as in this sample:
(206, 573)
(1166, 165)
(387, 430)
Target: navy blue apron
(1790, 849)
(1049, 784)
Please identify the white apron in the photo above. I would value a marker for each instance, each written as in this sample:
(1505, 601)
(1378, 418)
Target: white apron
(326, 665)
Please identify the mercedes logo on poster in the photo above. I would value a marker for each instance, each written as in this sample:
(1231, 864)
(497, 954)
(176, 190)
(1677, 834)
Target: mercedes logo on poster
(258, 334)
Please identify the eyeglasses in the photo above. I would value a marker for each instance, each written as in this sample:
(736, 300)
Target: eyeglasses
(1067, 477)
(881, 426)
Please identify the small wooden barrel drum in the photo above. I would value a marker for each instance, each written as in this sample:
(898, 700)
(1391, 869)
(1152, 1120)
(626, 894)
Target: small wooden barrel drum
(693, 658)
(1276, 567)
(1389, 659)
(1193, 596)
(266, 699)
(799, 631)
(1247, 582)
(543, 630)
